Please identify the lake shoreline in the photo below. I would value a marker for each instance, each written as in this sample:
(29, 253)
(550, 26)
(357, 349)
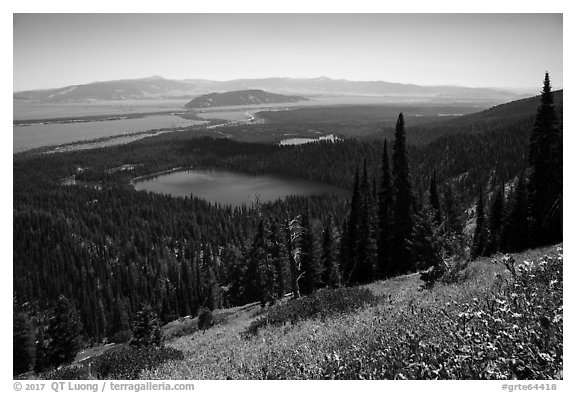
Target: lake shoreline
(55, 136)
(231, 188)
(156, 174)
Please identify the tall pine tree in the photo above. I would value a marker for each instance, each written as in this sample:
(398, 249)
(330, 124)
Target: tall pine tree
(363, 269)
(259, 285)
(348, 257)
(292, 238)
(384, 204)
(545, 172)
(515, 233)
(453, 223)
(212, 298)
(495, 221)
(479, 241)
(331, 273)
(425, 245)
(64, 331)
(434, 200)
(279, 260)
(146, 328)
(309, 261)
(402, 203)
(20, 342)
(42, 357)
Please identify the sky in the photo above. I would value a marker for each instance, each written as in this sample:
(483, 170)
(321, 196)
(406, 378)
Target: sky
(476, 50)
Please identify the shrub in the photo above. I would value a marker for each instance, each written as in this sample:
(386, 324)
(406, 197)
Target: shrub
(121, 337)
(432, 275)
(127, 363)
(456, 271)
(68, 372)
(181, 327)
(205, 319)
(513, 331)
(323, 303)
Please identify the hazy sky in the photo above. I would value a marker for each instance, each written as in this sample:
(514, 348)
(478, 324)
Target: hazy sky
(496, 50)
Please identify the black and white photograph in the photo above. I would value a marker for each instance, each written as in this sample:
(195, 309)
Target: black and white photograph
(286, 196)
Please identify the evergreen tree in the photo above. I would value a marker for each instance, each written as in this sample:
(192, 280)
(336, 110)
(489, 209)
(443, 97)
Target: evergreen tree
(64, 331)
(331, 276)
(279, 260)
(479, 241)
(267, 278)
(212, 298)
(237, 279)
(452, 224)
(515, 233)
(351, 234)
(260, 284)
(210, 287)
(363, 269)
(434, 199)
(495, 222)
(425, 245)
(309, 262)
(292, 236)
(418, 202)
(21, 358)
(545, 172)
(146, 328)
(101, 321)
(185, 293)
(41, 358)
(119, 330)
(343, 247)
(384, 217)
(198, 278)
(402, 205)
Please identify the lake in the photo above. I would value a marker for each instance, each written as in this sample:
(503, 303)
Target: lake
(39, 135)
(302, 141)
(233, 188)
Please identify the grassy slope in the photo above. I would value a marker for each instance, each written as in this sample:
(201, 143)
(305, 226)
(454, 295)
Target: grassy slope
(442, 333)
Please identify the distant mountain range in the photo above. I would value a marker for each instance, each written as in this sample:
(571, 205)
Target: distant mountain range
(158, 87)
(241, 97)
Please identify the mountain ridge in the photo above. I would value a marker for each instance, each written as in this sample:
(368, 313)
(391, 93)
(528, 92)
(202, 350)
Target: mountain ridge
(159, 87)
(241, 97)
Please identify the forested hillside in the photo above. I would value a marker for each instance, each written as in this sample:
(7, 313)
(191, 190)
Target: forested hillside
(426, 122)
(109, 249)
